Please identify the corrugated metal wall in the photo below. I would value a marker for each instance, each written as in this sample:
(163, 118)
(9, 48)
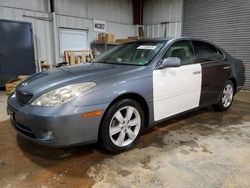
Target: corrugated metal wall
(79, 14)
(120, 30)
(162, 30)
(35, 5)
(157, 12)
(117, 14)
(119, 11)
(226, 23)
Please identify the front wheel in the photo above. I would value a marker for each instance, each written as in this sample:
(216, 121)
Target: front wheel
(122, 125)
(226, 97)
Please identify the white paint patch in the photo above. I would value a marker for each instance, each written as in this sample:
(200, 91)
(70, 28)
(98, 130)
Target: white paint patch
(176, 89)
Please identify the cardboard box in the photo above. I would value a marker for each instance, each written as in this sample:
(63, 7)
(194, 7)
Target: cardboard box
(11, 85)
(101, 37)
(109, 38)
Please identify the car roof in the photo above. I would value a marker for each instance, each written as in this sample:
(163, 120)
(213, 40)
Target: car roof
(170, 38)
(174, 39)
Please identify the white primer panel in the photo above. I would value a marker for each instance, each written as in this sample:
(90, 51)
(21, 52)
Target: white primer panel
(175, 90)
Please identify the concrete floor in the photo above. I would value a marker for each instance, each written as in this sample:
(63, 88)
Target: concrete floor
(201, 149)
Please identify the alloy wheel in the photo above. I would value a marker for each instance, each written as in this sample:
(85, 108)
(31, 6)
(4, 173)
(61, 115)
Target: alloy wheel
(125, 126)
(227, 95)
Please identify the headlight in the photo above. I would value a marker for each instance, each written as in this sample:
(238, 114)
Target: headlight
(61, 95)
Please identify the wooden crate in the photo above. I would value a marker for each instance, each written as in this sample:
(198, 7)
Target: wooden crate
(109, 38)
(101, 37)
(11, 85)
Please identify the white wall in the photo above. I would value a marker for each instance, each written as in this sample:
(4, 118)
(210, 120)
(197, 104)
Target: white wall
(81, 13)
(35, 5)
(156, 12)
(119, 11)
(77, 14)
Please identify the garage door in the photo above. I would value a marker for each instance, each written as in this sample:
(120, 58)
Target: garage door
(226, 23)
(73, 39)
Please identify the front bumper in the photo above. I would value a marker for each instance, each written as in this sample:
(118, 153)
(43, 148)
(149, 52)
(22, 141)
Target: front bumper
(60, 126)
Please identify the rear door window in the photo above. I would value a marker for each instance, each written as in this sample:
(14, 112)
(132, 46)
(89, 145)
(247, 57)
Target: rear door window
(206, 52)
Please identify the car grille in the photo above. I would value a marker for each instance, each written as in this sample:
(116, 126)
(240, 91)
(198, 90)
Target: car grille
(23, 98)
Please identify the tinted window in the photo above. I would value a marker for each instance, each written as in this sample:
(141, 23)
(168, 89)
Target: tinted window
(206, 52)
(182, 50)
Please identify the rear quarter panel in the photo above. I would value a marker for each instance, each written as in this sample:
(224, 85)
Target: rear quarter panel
(238, 70)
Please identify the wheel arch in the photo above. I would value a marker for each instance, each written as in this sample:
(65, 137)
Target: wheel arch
(133, 96)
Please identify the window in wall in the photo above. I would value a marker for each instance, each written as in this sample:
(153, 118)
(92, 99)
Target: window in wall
(73, 39)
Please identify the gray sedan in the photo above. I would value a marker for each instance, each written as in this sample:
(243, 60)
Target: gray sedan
(125, 90)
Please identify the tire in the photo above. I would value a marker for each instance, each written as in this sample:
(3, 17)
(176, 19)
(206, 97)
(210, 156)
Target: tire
(118, 133)
(226, 97)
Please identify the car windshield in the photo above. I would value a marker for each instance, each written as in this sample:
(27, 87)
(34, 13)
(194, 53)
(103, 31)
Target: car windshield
(135, 53)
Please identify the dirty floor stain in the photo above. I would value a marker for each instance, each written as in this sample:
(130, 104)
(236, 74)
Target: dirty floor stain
(208, 161)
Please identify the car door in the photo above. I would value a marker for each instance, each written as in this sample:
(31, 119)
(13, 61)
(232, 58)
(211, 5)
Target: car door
(215, 71)
(177, 89)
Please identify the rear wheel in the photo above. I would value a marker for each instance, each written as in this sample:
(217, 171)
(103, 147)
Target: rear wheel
(226, 97)
(122, 126)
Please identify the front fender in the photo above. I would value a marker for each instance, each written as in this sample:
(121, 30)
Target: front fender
(106, 91)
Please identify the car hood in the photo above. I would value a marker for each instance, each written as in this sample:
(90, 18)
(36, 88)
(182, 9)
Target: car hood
(48, 80)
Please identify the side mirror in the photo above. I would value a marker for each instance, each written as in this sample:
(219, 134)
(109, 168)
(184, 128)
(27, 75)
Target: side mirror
(170, 62)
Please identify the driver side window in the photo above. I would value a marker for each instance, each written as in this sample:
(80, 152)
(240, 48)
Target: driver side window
(182, 50)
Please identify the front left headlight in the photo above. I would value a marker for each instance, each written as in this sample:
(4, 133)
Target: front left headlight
(61, 95)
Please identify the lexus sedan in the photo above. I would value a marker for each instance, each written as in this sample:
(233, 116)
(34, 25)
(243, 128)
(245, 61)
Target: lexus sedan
(129, 88)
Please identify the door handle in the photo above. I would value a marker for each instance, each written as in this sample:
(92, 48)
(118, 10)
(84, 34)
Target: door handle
(227, 67)
(196, 72)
